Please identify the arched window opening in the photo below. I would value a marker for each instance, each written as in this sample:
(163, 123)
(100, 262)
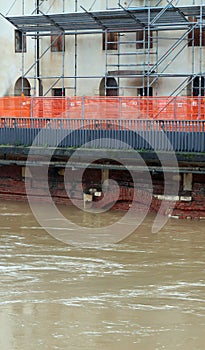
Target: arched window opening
(22, 86)
(108, 87)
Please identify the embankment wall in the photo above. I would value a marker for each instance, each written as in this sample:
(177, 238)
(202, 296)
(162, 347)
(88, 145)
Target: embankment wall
(69, 186)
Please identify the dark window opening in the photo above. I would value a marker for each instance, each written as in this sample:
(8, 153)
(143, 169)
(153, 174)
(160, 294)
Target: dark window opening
(110, 41)
(111, 87)
(143, 39)
(58, 92)
(194, 35)
(199, 86)
(57, 43)
(20, 41)
(146, 91)
(22, 86)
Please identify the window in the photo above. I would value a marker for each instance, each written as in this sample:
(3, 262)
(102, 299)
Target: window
(58, 92)
(20, 41)
(194, 35)
(142, 39)
(198, 88)
(112, 41)
(57, 43)
(146, 91)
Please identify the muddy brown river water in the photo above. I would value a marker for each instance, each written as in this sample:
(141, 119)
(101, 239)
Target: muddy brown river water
(146, 292)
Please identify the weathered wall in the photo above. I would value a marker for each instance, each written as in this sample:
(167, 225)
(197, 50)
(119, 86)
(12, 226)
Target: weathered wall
(12, 186)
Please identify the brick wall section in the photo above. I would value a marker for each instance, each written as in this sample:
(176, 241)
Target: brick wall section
(12, 186)
(198, 193)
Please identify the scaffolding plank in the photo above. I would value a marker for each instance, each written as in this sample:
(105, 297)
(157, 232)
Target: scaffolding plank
(110, 19)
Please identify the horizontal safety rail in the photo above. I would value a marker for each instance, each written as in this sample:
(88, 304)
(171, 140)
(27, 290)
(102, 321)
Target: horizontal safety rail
(155, 108)
(103, 124)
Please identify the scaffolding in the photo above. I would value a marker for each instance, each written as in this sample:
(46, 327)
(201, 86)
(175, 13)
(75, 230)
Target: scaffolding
(136, 61)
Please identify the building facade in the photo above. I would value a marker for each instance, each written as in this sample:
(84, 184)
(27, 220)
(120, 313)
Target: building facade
(102, 48)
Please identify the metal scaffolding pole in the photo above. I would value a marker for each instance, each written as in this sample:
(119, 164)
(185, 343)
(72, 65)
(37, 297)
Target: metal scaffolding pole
(75, 54)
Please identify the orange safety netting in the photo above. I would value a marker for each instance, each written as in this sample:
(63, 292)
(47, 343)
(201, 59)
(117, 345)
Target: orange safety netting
(155, 108)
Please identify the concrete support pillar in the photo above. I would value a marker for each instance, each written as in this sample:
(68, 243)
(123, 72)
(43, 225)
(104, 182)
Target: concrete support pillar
(25, 172)
(105, 176)
(87, 200)
(187, 181)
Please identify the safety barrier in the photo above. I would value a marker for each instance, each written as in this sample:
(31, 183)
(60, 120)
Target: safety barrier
(186, 136)
(155, 108)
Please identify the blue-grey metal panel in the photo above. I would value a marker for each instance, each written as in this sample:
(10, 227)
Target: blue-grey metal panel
(183, 141)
